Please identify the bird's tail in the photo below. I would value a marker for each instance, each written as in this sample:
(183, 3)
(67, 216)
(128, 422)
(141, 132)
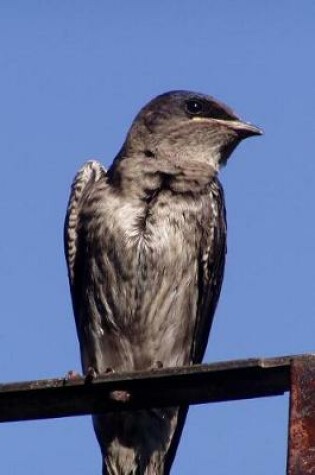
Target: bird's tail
(131, 466)
(137, 443)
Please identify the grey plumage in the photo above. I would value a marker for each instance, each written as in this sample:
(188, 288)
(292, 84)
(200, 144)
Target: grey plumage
(145, 246)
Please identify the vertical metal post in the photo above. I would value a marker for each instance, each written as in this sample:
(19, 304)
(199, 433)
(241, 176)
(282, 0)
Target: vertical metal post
(301, 448)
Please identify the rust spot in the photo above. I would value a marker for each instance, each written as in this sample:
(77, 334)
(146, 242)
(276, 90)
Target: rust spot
(301, 452)
(120, 396)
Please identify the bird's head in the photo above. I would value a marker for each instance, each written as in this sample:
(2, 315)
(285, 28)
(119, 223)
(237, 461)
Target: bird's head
(187, 126)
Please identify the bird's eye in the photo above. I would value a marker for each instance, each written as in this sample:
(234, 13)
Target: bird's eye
(194, 107)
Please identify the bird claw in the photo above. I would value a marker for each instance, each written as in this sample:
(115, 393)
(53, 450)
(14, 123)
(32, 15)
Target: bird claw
(109, 371)
(72, 376)
(121, 396)
(156, 365)
(91, 374)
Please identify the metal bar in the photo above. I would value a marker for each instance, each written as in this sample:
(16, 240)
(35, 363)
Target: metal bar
(232, 380)
(301, 449)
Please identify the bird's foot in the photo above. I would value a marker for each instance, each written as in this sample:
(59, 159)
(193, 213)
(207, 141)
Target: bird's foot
(119, 395)
(158, 365)
(90, 374)
(109, 371)
(72, 376)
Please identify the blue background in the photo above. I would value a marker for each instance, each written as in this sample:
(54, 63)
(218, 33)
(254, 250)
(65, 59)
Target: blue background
(72, 76)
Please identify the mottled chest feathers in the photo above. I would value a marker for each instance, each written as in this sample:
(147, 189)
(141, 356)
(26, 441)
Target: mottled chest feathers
(145, 177)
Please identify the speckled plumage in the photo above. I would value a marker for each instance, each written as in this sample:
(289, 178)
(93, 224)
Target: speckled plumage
(145, 245)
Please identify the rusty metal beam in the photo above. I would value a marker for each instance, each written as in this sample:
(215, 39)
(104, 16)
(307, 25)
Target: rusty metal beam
(301, 450)
(232, 380)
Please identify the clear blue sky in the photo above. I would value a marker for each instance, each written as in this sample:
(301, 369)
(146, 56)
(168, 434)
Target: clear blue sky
(72, 76)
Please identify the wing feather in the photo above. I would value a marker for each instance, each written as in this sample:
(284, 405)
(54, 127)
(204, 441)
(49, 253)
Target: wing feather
(211, 270)
(89, 174)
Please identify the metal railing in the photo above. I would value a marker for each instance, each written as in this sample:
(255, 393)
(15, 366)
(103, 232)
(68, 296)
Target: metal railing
(199, 384)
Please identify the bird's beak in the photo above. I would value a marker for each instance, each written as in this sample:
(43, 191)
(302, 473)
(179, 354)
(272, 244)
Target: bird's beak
(245, 129)
(242, 128)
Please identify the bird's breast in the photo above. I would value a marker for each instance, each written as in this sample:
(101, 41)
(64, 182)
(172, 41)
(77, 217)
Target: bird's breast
(148, 267)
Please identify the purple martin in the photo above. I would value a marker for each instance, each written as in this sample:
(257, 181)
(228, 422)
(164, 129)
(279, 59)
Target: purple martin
(145, 244)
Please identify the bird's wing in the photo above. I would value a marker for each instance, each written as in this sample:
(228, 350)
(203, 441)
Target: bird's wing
(87, 176)
(211, 270)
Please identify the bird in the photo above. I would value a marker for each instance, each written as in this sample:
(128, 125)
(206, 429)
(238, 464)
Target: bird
(145, 246)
